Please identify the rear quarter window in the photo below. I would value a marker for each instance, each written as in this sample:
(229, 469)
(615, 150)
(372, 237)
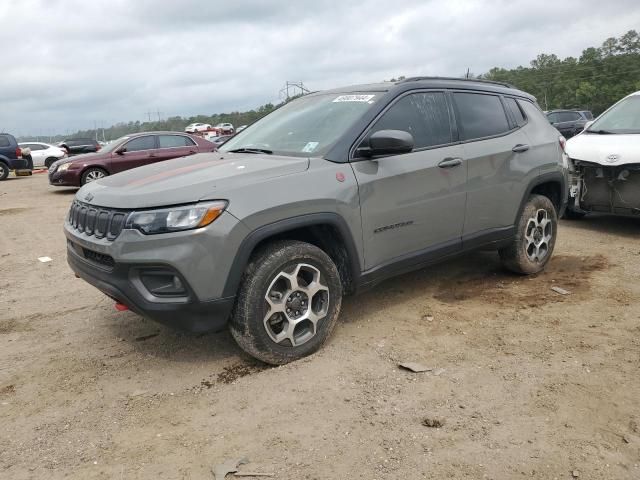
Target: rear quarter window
(480, 115)
(516, 112)
(4, 141)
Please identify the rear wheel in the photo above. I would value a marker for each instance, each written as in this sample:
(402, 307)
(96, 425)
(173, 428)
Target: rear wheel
(288, 303)
(535, 238)
(4, 171)
(92, 174)
(49, 161)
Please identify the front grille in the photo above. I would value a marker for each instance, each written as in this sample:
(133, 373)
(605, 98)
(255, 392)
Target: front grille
(96, 221)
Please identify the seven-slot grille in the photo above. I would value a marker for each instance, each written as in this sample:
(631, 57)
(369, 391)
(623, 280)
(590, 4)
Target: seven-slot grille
(96, 221)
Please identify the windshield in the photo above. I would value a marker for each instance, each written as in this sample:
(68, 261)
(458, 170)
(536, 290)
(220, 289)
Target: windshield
(308, 126)
(621, 118)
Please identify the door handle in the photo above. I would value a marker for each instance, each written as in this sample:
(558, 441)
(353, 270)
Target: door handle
(521, 147)
(450, 162)
(152, 155)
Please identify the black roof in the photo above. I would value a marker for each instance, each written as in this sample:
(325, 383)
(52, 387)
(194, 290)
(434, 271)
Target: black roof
(434, 82)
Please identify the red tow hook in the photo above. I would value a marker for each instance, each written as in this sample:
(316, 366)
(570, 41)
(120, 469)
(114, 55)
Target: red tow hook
(121, 307)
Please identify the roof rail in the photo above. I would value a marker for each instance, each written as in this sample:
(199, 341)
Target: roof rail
(481, 80)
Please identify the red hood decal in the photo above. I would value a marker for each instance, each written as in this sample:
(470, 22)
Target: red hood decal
(169, 173)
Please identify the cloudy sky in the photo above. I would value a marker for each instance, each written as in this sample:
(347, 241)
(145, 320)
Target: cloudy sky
(66, 64)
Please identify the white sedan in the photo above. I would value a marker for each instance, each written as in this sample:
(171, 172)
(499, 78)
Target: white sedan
(197, 127)
(43, 154)
(604, 163)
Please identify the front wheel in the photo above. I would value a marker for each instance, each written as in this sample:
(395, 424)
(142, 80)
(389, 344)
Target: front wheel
(92, 174)
(535, 238)
(288, 303)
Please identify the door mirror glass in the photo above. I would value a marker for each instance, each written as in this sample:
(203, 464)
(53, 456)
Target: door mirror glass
(388, 142)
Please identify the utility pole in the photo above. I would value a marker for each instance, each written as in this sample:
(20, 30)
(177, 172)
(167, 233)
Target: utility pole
(148, 114)
(159, 115)
(292, 86)
(467, 75)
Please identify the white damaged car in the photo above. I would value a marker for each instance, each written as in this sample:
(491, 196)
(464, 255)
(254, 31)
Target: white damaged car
(604, 163)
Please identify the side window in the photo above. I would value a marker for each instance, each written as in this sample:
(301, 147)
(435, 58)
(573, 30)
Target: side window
(552, 117)
(424, 115)
(4, 141)
(147, 142)
(516, 111)
(171, 141)
(480, 115)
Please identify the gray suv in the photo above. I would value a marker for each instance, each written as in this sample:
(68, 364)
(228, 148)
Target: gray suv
(328, 195)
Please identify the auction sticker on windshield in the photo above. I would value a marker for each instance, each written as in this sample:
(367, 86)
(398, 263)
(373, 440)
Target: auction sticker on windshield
(354, 98)
(310, 147)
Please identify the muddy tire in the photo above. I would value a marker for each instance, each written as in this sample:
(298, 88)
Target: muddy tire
(288, 303)
(535, 238)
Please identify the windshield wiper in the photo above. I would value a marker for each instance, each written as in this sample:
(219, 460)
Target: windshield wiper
(251, 150)
(601, 132)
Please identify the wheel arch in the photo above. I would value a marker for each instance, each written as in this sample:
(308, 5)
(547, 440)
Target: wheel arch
(327, 231)
(551, 185)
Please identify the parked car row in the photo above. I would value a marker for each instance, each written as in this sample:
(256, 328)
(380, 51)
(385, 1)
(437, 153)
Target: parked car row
(223, 128)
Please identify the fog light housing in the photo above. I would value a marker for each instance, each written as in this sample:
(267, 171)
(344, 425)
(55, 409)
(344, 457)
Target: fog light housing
(163, 283)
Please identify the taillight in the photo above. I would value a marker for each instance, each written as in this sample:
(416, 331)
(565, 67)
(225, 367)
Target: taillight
(18, 152)
(563, 142)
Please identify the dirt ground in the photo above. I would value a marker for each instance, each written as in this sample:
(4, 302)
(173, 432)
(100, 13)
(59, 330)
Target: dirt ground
(526, 382)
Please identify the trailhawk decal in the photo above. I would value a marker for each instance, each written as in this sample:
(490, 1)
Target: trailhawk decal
(391, 227)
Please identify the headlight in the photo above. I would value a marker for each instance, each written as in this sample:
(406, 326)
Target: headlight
(64, 166)
(176, 218)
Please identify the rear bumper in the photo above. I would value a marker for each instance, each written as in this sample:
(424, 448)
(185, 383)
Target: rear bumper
(119, 283)
(19, 164)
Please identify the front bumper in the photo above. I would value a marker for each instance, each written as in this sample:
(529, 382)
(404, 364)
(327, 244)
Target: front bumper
(199, 259)
(191, 315)
(64, 178)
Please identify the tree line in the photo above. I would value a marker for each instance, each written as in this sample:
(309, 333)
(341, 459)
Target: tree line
(598, 78)
(594, 81)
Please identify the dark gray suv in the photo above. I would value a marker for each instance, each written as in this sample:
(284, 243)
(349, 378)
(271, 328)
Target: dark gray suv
(328, 195)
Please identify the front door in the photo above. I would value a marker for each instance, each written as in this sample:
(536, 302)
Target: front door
(413, 204)
(137, 152)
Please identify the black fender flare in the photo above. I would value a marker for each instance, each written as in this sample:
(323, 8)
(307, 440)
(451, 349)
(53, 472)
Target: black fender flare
(550, 177)
(282, 226)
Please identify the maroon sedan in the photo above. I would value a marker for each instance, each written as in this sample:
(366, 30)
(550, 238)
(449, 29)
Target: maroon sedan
(123, 154)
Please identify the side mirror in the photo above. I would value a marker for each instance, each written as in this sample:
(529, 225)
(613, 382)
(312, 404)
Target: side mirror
(388, 142)
(121, 150)
(588, 124)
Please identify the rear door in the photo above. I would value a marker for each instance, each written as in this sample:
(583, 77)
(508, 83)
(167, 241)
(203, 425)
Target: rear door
(497, 154)
(413, 204)
(174, 146)
(139, 151)
(568, 123)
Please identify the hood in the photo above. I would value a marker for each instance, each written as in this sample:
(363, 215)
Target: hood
(610, 150)
(204, 176)
(85, 157)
